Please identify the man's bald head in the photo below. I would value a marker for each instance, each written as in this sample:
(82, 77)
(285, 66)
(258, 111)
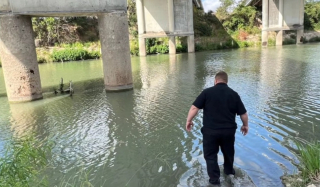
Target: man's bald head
(221, 76)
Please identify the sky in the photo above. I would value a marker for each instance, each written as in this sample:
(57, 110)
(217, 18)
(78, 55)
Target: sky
(210, 5)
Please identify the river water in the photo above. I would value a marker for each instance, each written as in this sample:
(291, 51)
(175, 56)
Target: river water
(138, 138)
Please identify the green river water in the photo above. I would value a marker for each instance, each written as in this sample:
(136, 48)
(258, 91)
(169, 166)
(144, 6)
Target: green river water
(138, 138)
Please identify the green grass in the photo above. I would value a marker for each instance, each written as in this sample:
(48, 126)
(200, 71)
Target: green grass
(309, 155)
(23, 162)
(81, 180)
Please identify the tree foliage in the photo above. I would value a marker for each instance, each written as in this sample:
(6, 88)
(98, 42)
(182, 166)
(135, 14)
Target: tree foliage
(312, 16)
(242, 18)
(225, 8)
(132, 16)
(205, 23)
(53, 30)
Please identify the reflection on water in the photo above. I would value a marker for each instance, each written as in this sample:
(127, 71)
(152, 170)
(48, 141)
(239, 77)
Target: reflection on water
(137, 138)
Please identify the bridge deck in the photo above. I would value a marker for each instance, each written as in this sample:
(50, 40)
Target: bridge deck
(60, 7)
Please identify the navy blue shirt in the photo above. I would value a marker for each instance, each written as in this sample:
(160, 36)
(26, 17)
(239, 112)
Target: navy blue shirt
(220, 106)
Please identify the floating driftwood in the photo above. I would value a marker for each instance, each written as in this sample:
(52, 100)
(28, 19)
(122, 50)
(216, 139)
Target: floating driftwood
(69, 91)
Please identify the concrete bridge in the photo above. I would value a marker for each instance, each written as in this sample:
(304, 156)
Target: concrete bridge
(165, 18)
(280, 15)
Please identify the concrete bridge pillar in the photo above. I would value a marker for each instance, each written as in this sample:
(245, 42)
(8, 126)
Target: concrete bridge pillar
(114, 38)
(172, 45)
(19, 59)
(265, 22)
(279, 38)
(191, 47)
(141, 27)
(300, 36)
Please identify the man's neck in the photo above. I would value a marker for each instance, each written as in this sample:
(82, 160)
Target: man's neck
(221, 82)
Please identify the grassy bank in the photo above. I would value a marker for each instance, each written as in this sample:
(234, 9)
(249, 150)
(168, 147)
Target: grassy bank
(69, 52)
(25, 164)
(310, 158)
(22, 163)
(309, 167)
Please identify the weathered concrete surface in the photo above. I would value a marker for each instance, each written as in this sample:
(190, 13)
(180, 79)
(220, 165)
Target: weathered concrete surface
(114, 38)
(156, 15)
(4, 6)
(293, 12)
(59, 7)
(19, 59)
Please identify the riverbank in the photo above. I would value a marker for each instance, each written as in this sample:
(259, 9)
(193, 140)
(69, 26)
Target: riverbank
(309, 167)
(91, 50)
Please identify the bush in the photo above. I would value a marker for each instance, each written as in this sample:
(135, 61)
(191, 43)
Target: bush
(69, 54)
(134, 47)
(182, 48)
(243, 44)
(271, 42)
(163, 49)
(314, 39)
(288, 41)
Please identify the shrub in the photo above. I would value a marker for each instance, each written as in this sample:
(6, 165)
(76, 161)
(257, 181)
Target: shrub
(153, 50)
(43, 56)
(134, 47)
(70, 54)
(315, 39)
(182, 48)
(41, 60)
(288, 41)
(162, 49)
(271, 42)
(94, 55)
(243, 44)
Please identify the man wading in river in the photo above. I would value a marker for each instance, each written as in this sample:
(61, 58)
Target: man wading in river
(220, 105)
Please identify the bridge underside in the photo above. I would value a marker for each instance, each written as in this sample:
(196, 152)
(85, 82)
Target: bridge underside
(166, 18)
(17, 48)
(280, 15)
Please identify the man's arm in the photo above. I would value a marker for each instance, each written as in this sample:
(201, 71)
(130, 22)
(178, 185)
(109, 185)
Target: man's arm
(245, 127)
(192, 113)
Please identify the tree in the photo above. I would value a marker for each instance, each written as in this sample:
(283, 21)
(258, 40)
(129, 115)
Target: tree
(225, 8)
(132, 15)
